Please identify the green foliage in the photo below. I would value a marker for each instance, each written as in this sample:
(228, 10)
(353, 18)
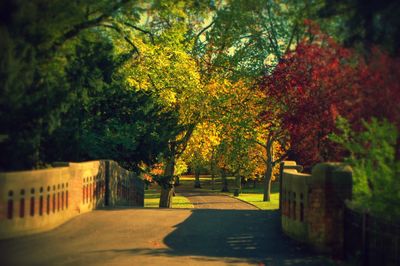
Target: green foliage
(376, 182)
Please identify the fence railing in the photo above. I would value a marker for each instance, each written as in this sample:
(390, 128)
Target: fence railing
(370, 240)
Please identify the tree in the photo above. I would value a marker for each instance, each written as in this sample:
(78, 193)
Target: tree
(166, 71)
(200, 149)
(107, 119)
(224, 49)
(235, 115)
(321, 80)
(276, 145)
(308, 85)
(249, 46)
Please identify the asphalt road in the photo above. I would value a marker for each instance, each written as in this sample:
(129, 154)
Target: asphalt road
(241, 235)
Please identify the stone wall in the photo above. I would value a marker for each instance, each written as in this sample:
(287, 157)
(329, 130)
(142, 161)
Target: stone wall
(313, 204)
(40, 200)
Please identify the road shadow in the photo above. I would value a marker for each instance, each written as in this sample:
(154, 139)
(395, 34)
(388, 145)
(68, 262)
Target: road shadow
(205, 236)
(245, 234)
(234, 236)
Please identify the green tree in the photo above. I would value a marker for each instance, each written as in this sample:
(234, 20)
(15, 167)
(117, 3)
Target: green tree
(107, 119)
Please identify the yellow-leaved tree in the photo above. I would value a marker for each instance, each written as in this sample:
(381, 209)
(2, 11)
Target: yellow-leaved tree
(165, 70)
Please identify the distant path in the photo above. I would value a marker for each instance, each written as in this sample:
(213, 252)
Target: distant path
(201, 200)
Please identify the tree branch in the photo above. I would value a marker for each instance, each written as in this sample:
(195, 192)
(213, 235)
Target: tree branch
(291, 38)
(184, 141)
(76, 29)
(141, 30)
(261, 157)
(273, 32)
(281, 158)
(119, 30)
(261, 144)
(201, 32)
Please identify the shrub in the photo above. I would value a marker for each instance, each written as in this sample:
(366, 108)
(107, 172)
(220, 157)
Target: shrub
(372, 155)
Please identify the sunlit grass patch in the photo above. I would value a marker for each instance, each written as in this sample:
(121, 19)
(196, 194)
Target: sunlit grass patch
(255, 197)
(151, 198)
(179, 202)
(203, 178)
(191, 177)
(151, 203)
(257, 200)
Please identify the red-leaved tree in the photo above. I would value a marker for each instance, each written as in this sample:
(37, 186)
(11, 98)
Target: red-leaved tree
(320, 80)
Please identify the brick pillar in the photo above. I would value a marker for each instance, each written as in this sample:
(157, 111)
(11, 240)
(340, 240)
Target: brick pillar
(329, 186)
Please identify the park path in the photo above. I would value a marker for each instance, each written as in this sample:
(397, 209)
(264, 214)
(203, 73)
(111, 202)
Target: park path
(219, 231)
(201, 200)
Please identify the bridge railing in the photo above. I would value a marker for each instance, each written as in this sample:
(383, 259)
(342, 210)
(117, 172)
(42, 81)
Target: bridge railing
(40, 200)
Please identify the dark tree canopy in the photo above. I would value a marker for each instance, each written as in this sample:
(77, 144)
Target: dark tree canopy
(367, 23)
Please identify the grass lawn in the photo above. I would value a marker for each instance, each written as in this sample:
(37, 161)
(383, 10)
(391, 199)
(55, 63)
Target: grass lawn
(152, 199)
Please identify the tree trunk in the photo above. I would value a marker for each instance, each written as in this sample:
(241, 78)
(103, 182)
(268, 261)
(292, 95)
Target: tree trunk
(267, 182)
(167, 188)
(238, 185)
(268, 171)
(197, 177)
(212, 180)
(224, 181)
(166, 197)
(212, 169)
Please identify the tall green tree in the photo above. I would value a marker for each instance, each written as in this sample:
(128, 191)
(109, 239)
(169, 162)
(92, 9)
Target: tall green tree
(107, 119)
(37, 39)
